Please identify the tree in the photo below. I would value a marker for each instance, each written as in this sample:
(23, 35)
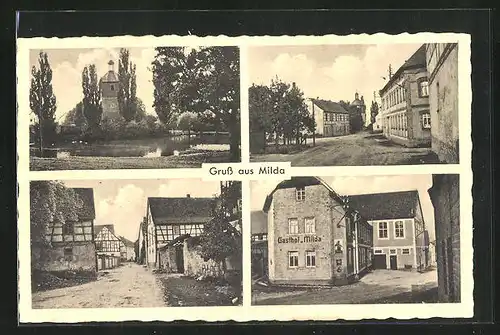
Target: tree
(92, 108)
(43, 100)
(127, 100)
(204, 81)
(76, 117)
(50, 202)
(188, 121)
(140, 113)
(373, 111)
(260, 108)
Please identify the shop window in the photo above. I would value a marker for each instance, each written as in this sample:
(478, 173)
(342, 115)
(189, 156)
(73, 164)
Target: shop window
(310, 226)
(310, 259)
(382, 230)
(293, 259)
(300, 193)
(426, 120)
(423, 88)
(406, 251)
(293, 226)
(399, 229)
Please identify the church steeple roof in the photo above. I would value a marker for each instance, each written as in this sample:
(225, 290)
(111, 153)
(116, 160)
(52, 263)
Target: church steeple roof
(110, 76)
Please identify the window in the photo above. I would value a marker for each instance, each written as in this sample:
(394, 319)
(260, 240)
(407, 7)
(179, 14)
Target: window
(424, 88)
(310, 226)
(392, 251)
(68, 228)
(300, 193)
(293, 226)
(378, 251)
(406, 251)
(382, 230)
(176, 230)
(293, 259)
(310, 259)
(399, 229)
(426, 120)
(68, 254)
(112, 87)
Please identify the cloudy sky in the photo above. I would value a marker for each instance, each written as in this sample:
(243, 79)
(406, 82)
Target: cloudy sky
(362, 185)
(332, 72)
(67, 66)
(123, 202)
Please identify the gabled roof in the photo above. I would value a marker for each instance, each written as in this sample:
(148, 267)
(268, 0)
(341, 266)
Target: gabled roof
(110, 77)
(298, 182)
(385, 206)
(98, 228)
(418, 59)
(126, 241)
(258, 222)
(329, 106)
(181, 210)
(87, 211)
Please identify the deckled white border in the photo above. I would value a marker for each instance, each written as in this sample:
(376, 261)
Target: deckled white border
(245, 312)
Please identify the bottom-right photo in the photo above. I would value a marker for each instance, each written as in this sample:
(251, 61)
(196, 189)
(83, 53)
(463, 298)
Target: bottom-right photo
(356, 240)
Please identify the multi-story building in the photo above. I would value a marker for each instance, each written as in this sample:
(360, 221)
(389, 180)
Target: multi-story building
(405, 114)
(330, 117)
(127, 249)
(313, 236)
(108, 247)
(442, 66)
(109, 86)
(399, 236)
(445, 197)
(73, 247)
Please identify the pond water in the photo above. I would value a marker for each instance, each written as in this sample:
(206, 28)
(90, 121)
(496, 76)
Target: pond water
(147, 148)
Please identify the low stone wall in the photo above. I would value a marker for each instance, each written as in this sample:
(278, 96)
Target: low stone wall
(195, 265)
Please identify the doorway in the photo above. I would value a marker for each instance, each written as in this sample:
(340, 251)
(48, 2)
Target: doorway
(379, 262)
(179, 258)
(394, 262)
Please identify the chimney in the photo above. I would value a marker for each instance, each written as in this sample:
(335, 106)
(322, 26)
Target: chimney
(188, 195)
(111, 65)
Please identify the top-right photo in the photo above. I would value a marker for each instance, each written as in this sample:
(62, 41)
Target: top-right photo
(354, 104)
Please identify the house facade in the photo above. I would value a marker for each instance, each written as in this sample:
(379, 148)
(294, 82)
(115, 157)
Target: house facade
(442, 65)
(258, 222)
(127, 250)
(169, 220)
(445, 198)
(73, 247)
(405, 109)
(313, 238)
(330, 117)
(400, 240)
(108, 247)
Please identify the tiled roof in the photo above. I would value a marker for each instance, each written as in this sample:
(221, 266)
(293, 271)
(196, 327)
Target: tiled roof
(181, 210)
(127, 242)
(258, 222)
(418, 59)
(110, 77)
(330, 106)
(381, 206)
(87, 211)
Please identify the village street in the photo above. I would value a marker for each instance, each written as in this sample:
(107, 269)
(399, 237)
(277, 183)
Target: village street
(130, 285)
(379, 286)
(360, 148)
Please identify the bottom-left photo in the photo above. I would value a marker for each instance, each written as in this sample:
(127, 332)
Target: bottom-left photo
(135, 243)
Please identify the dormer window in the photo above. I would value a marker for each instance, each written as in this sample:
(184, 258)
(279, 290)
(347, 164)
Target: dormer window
(300, 193)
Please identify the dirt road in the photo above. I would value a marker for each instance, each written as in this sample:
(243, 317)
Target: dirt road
(130, 285)
(353, 150)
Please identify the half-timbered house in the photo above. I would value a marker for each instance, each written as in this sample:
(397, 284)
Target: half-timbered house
(107, 247)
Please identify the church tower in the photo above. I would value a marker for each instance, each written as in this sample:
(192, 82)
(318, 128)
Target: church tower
(109, 86)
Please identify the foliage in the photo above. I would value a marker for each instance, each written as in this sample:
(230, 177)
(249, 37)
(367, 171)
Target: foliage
(140, 110)
(373, 111)
(188, 121)
(221, 239)
(204, 81)
(355, 118)
(50, 202)
(127, 99)
(92, 109)
(43, 100)
(76, 117)
(279, 109)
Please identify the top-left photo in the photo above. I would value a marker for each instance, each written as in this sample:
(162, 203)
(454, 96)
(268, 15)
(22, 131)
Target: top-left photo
(133, 108)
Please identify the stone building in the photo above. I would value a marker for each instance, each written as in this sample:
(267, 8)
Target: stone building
(330, 117)
(313, 237)
(400, 240)
(445, 198)
(108, 247)
(73, 247)
(405, 110)
(442, 65)
(358, 108)
(109, 86)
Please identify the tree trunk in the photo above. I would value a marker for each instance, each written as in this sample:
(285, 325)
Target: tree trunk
(234, 139)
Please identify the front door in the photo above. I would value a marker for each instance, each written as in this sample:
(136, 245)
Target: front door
(179, 259)
(394, 262)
